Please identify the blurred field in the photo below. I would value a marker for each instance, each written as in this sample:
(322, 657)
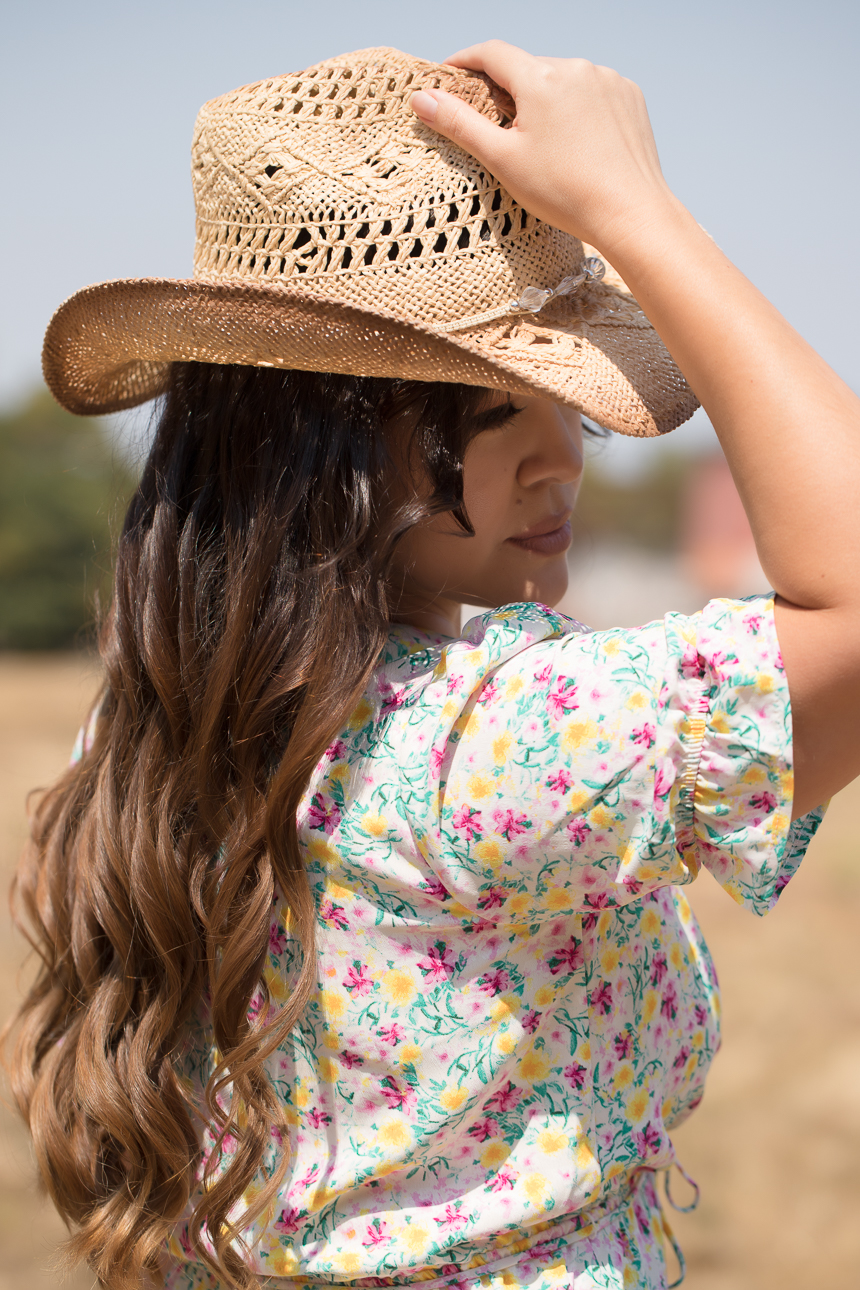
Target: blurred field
(776, 1144)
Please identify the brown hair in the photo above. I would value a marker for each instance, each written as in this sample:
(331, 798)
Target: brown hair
(261, 532)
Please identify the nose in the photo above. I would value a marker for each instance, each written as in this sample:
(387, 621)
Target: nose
(552, 450)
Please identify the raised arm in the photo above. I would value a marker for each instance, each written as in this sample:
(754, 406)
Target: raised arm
(581, 155)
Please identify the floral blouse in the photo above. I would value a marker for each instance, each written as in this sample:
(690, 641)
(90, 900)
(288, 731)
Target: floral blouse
(515, 1004)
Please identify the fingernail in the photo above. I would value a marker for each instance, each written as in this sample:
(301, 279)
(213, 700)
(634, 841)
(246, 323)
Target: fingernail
(424, 105)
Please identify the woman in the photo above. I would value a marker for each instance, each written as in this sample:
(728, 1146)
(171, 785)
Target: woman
(364, 955)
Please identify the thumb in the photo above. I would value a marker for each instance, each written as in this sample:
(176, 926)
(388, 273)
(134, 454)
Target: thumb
(460, 123)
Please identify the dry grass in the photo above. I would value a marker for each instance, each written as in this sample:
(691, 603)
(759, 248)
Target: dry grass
(776, 1145)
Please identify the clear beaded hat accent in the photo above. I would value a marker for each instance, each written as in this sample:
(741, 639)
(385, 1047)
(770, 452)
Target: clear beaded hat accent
(336, 232)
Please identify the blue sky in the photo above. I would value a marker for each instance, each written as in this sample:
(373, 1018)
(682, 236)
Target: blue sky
(755, 106)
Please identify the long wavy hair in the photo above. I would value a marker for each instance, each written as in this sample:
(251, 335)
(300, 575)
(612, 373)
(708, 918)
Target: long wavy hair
(251, 600)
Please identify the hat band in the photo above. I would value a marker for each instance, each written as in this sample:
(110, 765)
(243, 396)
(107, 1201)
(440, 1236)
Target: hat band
(532, 299)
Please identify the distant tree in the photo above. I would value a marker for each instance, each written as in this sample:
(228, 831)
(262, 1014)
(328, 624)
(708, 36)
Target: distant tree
(644, 512)
(62, 484)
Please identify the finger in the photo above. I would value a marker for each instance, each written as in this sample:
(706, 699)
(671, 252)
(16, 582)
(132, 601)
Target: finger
(460, 123)
(497, 58)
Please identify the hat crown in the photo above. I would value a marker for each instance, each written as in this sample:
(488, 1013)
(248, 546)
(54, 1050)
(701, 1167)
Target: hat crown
(327, 179)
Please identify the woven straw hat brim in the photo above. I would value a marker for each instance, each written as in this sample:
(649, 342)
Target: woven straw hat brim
(109, 347)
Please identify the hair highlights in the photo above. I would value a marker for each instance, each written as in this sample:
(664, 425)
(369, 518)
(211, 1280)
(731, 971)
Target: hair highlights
(261, 532)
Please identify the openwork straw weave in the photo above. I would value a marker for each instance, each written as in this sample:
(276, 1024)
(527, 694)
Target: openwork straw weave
(335, 232)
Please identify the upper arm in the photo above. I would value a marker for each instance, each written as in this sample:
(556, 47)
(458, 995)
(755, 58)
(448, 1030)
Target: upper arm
(819, 650)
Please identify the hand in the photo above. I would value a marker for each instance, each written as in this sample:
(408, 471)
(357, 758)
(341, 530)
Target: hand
(580, 154)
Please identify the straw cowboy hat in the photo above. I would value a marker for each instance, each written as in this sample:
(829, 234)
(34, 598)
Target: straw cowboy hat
(336, 232)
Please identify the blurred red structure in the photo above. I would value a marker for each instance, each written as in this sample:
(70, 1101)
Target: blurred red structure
(717, 550)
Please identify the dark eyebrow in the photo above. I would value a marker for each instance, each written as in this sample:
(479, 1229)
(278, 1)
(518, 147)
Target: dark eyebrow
(496, 416)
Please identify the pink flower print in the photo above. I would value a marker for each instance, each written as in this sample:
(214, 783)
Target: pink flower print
(601, 999)
(392, 1034)
(752, 622)
(434, 888)
(289, 1220)
(647, 1142)
(438, 965)
(681, 1059)
(503, 1179)
(493, 983)
(659, 968)
(576, 1074)
(669, 1004)
(318, 1118)
(322, 816)
(336, 751)
(506, 1098)
(701, 1014)
(480, 925)
(568, 958)
(376, 1233)
(391, 695)
(509, 823)
(486, 1128)
(764, 802)
(631, 885)
(493, 898)
(398, 1099)
(578, 830)
(623, 1044)
(544, 676)
(664, 778)
(562, 699)
(593, 903)
(310, 1177)
(351, 1060)
(356, 982)
(277, 939)
(489, 693)
(453, 1216)
(467, 820)
(561, 781)
(531, 1021)
(333, 915)
(646, 735)
(437, 756)
(453, 683)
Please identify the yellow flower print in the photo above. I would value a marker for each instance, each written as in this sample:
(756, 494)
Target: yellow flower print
(638, 699)
(360, 715)
(302, 1096)
(650, 1007)
(637, 1105)
(453, 1098)
(609, 961)
(399, 987)
(517, 904)
(544, 995)
(551, 1140)
(501, 748)
(506, 1043)
(650, 923)
(283, 1261)
(328, 1070)
(495, 1154)
(410, 1053)
(676, 956)
(333, 1004)
(623, 1076)
(535, 1187)
(394, 1133)
(514, 687)
(323, 852)
(601, 816)
(559, 898)
(375, 825)
(576, 733)
(416, 1239)
(480, 786)
(348, 1263)
(534, 1066)
(489, 852)
(765, 682)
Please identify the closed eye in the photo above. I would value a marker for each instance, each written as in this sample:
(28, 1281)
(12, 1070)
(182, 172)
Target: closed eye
(495, 417)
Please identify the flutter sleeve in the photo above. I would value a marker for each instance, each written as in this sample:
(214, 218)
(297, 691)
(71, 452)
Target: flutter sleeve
(583, 769)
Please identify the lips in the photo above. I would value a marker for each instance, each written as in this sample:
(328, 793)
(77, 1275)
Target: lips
(549, 537)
